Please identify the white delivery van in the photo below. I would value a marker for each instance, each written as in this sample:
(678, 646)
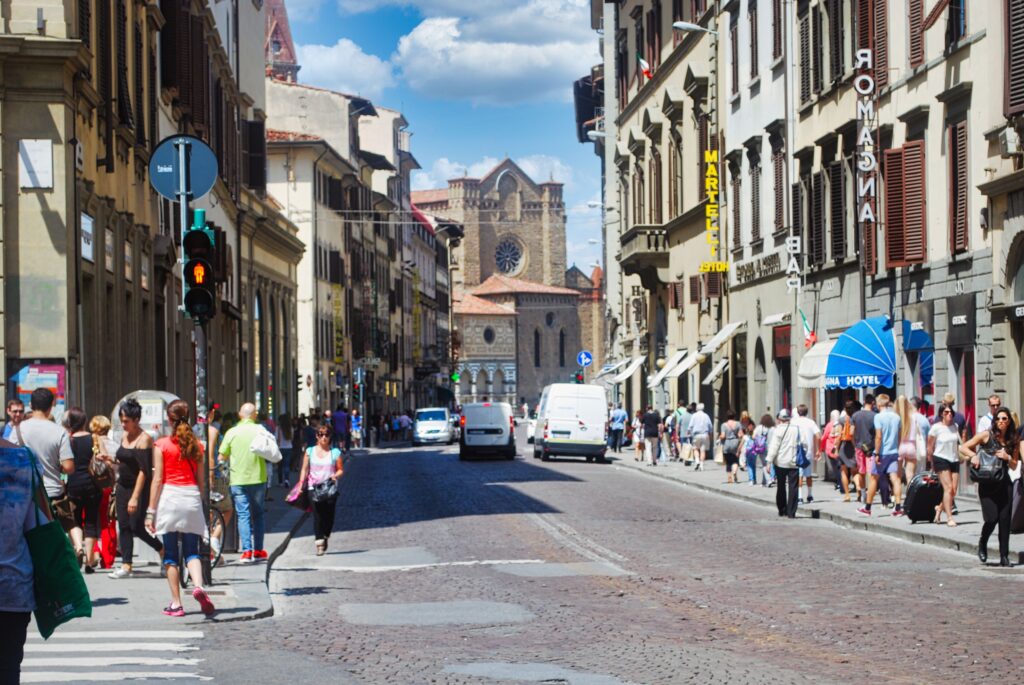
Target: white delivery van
(572, 421)
(432, 426)
(487, 428)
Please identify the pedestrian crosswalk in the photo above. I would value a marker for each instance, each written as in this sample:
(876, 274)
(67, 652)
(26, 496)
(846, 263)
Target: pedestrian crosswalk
(103, 656)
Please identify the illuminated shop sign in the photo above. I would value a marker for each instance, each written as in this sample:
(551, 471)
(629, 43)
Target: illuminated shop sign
(711, 214)
(867, 159)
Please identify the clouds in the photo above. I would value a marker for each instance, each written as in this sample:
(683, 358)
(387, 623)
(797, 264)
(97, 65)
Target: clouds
(540, 168)
(303, 10)
(345, 67)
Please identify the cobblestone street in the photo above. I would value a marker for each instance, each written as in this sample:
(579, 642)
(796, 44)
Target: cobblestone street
(443, 571)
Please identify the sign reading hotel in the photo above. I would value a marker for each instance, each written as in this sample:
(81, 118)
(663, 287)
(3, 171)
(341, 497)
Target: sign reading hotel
(711, 214)
(867, 157)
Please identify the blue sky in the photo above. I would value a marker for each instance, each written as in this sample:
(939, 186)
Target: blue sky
(478, 80)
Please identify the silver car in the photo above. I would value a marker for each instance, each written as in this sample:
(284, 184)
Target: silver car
(432, 427)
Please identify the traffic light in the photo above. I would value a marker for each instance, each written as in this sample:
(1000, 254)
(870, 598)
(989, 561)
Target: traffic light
(199, 246)
(455, 377)
(579, 376)
(355, 389)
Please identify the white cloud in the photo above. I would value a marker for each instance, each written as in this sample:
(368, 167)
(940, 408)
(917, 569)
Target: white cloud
(345, 67)
(303, 11)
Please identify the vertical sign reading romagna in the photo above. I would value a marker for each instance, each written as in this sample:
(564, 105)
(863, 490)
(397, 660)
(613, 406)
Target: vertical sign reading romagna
(867, 152)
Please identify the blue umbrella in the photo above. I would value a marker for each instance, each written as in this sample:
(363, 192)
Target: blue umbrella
(864, 356)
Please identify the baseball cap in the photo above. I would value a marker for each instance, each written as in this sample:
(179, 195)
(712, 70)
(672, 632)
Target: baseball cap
(783, 415)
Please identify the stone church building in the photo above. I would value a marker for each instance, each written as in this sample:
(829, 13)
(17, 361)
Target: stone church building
(522, 316)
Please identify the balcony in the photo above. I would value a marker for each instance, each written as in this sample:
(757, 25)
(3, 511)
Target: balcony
(644, 252)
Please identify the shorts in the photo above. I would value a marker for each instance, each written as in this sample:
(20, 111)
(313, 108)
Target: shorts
(808, 471)
(845, 452)
(908, 451)
(189, 548)
(940, 464)
(731, 459)
(864, 462)
(890, 464)
(701, 442)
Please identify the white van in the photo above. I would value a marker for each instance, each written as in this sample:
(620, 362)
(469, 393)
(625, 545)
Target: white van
(573, 421)
(487, 428)
(432, 427)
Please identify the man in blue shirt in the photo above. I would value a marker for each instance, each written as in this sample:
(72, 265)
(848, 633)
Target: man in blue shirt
(885, 466)
(342, 426)
(616, 425)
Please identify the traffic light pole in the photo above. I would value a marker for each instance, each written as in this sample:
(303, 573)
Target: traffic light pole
(183, 196)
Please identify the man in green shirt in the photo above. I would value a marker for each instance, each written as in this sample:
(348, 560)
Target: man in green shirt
(248, 478)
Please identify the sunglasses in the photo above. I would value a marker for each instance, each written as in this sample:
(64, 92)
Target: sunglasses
(1002, 418)
(323, 435)
(16, 411)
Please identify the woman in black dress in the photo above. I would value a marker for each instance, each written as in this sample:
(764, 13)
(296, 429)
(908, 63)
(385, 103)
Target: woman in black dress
(131, 494)
(82, 490)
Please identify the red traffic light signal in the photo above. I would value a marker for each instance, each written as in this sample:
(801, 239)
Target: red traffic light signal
(579, 376)
(199, 247)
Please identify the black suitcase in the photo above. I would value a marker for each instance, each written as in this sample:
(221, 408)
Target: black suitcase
(923, 494)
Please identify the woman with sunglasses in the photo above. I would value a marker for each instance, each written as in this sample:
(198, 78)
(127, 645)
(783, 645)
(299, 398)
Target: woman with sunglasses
(943, 441)
(996, 495)
(321, 463)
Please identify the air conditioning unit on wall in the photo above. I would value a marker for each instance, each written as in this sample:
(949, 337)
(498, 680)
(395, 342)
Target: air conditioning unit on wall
(1009, 142)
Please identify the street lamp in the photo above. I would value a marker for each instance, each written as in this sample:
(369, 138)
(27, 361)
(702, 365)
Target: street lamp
(596, 135)
(688, 26)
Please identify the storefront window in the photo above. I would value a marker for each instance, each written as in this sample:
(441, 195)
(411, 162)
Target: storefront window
(961, 364)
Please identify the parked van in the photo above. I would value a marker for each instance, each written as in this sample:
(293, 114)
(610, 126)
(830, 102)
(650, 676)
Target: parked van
(487, 428)
(572, 421)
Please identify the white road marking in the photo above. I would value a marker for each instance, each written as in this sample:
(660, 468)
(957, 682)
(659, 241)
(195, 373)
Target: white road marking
(124, 635)
(417, 567)
(104, 661)
(104, 676)
(64, 647)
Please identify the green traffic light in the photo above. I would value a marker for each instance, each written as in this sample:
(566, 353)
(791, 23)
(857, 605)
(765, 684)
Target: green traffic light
(455, 377)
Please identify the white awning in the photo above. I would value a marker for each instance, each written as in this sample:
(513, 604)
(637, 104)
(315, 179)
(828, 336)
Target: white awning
(685, 365)
(776, 319)
(811, 372)
(723, 336)
(634, 364)
(608, 368)
(716, 372)
(660, 376)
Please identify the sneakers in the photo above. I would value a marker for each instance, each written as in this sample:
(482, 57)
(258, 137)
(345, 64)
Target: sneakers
(260, 555)
(176, 612)
(897, 512)
(810, 498)
(864, 511)
(199, 594)
(246, 557)
(120, 573)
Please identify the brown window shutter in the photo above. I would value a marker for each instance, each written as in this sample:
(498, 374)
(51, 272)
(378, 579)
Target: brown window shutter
(798, 210)
(837, 207)
(805, 58)
(755, 203)
(776, 29)
(837, 50)
(257, 157)
(244, 167)
(1014, 100)
(816, 236)
(200, 76)
(85, 22)
(672, 170)
(865, 24)
(881, 36)
(915, 217)
(677, 287)
(916, 32)
(657, 32)
(734, 46)
(124, 101)
(153, 109)
(737, 234)
(713, 281)
(702, 140)
(958, 238)
(818, 47)
(671, 293)
(752, 22)
(894, 225)
(694, 289)
(183, 55)
(779, 181)
(105, 66)
(140, 65)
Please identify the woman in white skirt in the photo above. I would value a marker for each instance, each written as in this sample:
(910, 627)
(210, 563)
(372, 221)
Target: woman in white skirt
(178, 515)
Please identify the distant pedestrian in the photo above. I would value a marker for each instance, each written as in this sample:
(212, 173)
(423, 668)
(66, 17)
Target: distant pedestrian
(746, 442)
(729, 436)
(682, 425)
(638, 436)
(944, 457)
(15, 414)
(322, 463)
(652, 434)
(405, 424)
(700, 435)
(309, 427)
(757, 451)
(131, 494)
(996, 495)
(985, 422)
(810, 434)
(617, 425)
(782, 455)
(17, 587)
(885, 468)
(830, 445)
(846, 451)
(84, 494)
(949, 400)
(864, 444)
(356, 421)
(177, 515)
(248, 478)
(910, 437)
(283, 436)
(341, 427)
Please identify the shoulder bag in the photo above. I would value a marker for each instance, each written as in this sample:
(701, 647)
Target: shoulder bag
(102, 470)
(990, 468)
(802, 461)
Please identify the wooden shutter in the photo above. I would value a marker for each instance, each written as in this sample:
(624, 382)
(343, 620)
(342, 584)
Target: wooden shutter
(737, 235)
(1014, 99)
(200, 76)
(678, 290)
(816, 235)
(837, 50)
(916, 32)
(776, 29)
(915, 218)
(958, 238)
(779, 181)
(818, 47)
(837, 208)
(257, 157)
(702, 141)
(805, 58)
(894, 233)
(153, 110)
(105, 57)
(656, 20)
(244, 166)
(881, 36)
(755, 202)
(85, 22)
(734, 46)
(694, 289)
(124, 101)
(713, 282)
(798, 210)
(140, 96)
(752, 21)
(865, 24)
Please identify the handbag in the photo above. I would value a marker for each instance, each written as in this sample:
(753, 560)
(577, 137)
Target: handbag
(324, 490)
(59, 587)
(802, 461)
(990, 468)
(102, 471)
(265, 447)
(299, 496)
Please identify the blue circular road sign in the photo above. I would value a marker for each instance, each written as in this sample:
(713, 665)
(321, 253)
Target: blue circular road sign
(584, 359)
(164, 167)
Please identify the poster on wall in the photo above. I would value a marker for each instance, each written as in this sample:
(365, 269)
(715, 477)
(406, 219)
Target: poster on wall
(39, 375)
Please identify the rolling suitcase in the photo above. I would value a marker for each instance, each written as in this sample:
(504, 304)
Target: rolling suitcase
(923, 494)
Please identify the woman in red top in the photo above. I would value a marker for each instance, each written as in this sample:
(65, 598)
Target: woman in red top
(178, 515)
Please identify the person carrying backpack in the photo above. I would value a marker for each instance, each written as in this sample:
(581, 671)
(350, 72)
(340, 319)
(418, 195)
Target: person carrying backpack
(758, 450)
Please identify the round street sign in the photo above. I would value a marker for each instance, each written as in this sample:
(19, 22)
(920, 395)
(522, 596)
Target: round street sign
(584, 359)
(164, 172)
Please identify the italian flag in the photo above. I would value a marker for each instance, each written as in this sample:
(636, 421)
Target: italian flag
(644, 66)
(810, 337)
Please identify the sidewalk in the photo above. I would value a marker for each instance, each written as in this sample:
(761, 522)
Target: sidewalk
(828, 505)
(239, 590)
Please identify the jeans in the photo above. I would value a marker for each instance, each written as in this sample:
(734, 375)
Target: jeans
(786, 490)
(14, 625)
(248, 501)
(752, 469)
(615, 439)
(284, 467)
(189, 548)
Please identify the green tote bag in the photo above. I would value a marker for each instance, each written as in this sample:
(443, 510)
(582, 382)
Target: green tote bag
(60, 590)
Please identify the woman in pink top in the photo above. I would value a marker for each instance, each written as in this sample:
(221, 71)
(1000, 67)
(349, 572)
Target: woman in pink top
(321, 463)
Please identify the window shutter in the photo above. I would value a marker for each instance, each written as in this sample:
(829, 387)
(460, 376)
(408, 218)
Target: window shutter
(734, 47)
(798, 210)
(737, 234)
(755, 203)
(881, 36)
(752, 21)
(713, 281)
(958, 193)
(153, 110)
(200, 77)
(181, 52)
(779, 180)
(694, 289)
(816, 236)
(244, 167)
(105, 66)
(836, 47)
(805, 58)
(85, 22)
(865, 24)
(837, 207)
(916, 33)
(776, 29)
(124, 101)
(1014, 100)
(915, 218)
(671, 294)
(702, 139)
(894, 233)
(140, 62)
(677, 287)
(257, 157)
